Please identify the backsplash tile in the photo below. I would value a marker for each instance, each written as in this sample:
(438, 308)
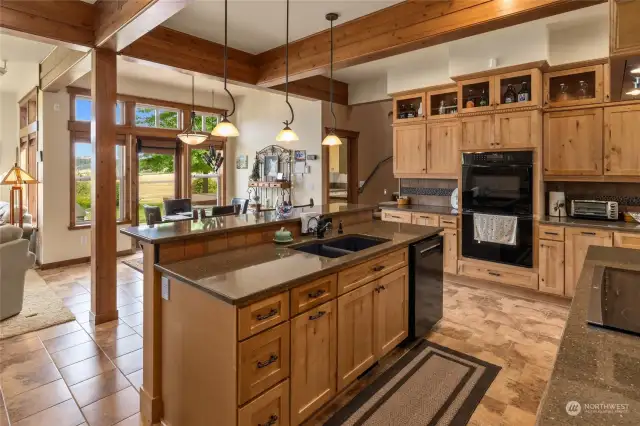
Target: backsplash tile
(625, 194)
(428, 192)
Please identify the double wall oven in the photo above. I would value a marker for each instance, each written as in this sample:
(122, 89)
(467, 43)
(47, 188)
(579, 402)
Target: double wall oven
(498, 183)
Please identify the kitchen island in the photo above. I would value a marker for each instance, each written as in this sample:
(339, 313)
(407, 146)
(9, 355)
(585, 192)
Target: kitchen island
(231, 319)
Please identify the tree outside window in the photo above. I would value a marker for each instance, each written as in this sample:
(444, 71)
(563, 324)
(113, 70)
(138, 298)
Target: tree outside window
(204, 183)
(150, 116)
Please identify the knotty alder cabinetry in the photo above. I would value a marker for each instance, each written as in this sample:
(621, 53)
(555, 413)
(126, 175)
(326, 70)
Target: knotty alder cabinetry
(443, 144)
(622, 140)
(410, 149)
(625, 37)
(520, 129)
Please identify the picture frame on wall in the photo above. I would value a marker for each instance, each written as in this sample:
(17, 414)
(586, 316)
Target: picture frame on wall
(300, 155)
(271, 166)
(242, 161)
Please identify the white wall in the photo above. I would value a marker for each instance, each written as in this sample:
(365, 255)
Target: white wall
(424, 68)
(371, 90)
(259, 119)
(578, 42)
(9, 113)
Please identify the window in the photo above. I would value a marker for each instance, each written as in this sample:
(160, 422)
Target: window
(82, 107)
(156, 179)
(82, 183)
(163, 118)
(205, 122)
(205, 185)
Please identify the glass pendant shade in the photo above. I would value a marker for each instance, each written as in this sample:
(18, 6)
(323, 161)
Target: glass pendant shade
(331, 140)
(17, 176)
(226, 129)
(634, 92)
(191, 138)
(287, 135)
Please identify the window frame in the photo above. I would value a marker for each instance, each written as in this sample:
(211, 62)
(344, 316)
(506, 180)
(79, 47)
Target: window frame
(157, 109)
(203, 127)
(74, 110)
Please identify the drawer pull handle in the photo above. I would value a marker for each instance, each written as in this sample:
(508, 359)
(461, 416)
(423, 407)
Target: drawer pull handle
(550, 233)
(495, 274)
(272, 421)
(272, 313)
(380, 288)
(588, 233)
(395, 217)
(447, 221)
(316, 316)
(273, 358)
(378, 268)
(316, 294)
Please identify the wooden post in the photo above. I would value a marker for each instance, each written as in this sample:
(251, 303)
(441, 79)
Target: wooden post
(103, 186)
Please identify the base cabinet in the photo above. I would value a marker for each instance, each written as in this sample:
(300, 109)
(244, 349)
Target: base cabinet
(271, 408)
(577, 242)
(551, 267)
(391, 308)
(313, 360)
(450, 259)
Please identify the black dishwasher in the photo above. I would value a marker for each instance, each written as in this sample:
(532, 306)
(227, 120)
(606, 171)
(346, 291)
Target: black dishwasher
(425, 286)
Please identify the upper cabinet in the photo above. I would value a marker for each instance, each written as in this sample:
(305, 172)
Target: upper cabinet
(443, 144)
(622, 140)
(625, 37)
(442, 103)
(409, 108)
(410, 149)
(518, 89)
(521, 129)
(476, 95)
(571, 87)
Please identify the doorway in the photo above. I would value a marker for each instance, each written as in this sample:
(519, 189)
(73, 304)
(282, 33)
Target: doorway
(340, 169)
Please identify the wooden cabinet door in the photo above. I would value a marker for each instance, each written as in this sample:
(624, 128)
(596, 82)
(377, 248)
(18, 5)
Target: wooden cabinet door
(396, 216)
(391, 308)
(622, 141)
(518, 130)
(577, 242)
(356, 345)
(625, 37)
(272, 406)
(425, 219)
(477, 133)
(450, 260)
(627, 240)
(410, 149)
(551, 266)
(443, 144)
(313, 360)
(573, 143)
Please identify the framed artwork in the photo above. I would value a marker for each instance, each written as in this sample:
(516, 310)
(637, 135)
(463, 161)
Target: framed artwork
(271, 166)
(301, 155)
(242, 161)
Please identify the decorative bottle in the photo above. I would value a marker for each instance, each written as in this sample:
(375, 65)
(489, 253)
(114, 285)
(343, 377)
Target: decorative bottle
(510, 95)
(564, 92)
(583, 90)
(484, 100)
(470, 102)
(523, 94)
(442, 110)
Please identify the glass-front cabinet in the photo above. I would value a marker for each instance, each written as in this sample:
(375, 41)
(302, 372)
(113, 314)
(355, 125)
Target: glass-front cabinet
(442, 103)
(518, 89)
(577, 86)
(476, 95)
(408, 108)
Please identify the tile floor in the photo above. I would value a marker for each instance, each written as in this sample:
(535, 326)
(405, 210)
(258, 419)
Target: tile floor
(81, 374)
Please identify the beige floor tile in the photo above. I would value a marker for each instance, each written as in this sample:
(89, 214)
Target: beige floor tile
(138, 329)
(91, 327)
(133, 320)
(79, 308)
(113, 409)
(110, 335)
(37, 357)
(131, 421)
(515, 416)
(80, 298)
(59, 330)
(123, 346)
(68, 289)
(135, 289)
(67, 341)
(123, 298)
(488, 412)
(36, 400)
(86, 369)
(130, 362)
(99, 387)
(136, 379)
(4, 417)
(13, 347)
(131, 309)
(75, 354)
(64, 414)
(26, 376)
(83, 317)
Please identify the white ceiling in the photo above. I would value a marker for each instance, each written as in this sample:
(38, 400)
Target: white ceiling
(259, 25)
(22, 56)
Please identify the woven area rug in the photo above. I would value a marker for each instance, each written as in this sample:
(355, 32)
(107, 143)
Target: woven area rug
(135, 263)
(430, 385)
(41, 308)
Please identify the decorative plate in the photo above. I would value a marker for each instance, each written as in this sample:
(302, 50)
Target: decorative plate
(454, 199)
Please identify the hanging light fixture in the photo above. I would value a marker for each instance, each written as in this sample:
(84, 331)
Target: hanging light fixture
(331, 138)
(286, 134)
(226, 128)
(189, 135)
(636, 88)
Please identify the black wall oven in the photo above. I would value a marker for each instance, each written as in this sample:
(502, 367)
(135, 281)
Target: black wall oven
(499, 183)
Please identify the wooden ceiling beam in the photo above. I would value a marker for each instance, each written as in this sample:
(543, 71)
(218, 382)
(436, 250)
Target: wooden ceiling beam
(62, 68)
(401, 28)
(317, 87)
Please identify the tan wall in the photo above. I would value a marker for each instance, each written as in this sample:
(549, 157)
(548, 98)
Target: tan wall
(373, 121)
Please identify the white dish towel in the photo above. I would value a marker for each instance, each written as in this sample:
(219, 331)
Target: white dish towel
(492, 228)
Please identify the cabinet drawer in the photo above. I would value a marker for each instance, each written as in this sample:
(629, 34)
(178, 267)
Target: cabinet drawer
(555, 233)
(358, 275)
(263, 361)
(313, 294)
(396, 216)
(262, 315)
(272, 407)
(498, 274)
(626, 240)
(448, 221)
(425, 219)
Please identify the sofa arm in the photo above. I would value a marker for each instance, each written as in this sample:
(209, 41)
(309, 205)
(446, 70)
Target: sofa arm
(16, 254)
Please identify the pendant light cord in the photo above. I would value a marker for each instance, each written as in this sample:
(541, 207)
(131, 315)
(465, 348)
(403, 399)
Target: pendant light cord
(233, 110)
(286, 70)
(331, 80)
(193, 101)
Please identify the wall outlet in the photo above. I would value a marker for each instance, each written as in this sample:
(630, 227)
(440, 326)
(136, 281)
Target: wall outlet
(83, 240)
(56, 107)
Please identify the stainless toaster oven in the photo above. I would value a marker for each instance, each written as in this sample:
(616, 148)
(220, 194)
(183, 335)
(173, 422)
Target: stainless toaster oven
(594, 209)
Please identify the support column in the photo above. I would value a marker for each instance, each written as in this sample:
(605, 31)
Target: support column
(103, 186)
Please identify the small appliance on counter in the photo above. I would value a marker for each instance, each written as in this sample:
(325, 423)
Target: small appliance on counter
(594, 209)
(557, 204)
(305, 218)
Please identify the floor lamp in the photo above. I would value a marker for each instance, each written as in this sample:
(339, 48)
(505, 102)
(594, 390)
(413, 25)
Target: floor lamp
(16, 177)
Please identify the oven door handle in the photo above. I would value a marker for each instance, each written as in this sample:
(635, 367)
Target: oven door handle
(428, 249)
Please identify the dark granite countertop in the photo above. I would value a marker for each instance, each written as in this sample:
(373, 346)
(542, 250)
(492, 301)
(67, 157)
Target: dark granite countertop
(594, 365)
(617, 225)
(185, 229)
(252, 273)
(419, 208)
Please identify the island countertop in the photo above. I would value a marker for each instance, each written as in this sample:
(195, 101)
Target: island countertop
(185, 229)
(594, 365)
(247, 274)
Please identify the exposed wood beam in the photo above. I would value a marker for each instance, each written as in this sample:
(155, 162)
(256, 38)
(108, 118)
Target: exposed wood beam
(62, 68)
(66, 21)
(401, 28)
(317, 87)
(120, 23)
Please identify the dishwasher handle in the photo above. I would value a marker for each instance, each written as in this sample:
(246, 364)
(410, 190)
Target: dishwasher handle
(429, 249)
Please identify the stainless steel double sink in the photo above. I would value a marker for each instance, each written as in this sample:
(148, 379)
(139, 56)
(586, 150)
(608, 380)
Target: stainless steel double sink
(339, 246)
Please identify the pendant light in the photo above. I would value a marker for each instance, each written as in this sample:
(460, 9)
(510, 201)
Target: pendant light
(226, 128)
(331, 139)
(286, 134)
(636, 88)
(189, 135)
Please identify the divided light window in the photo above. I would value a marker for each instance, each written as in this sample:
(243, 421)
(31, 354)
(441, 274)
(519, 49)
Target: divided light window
(151, 116)
(205, 122)
(83, 109)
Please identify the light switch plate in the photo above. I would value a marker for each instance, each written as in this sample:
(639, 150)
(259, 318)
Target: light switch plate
(165, 288)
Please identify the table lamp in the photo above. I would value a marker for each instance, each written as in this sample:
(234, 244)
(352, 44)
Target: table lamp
(16, 177)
